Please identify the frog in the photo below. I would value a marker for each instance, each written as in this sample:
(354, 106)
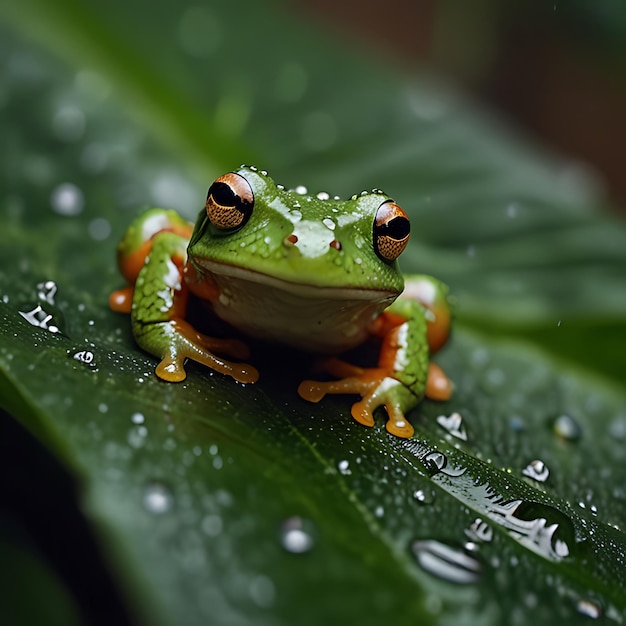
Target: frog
(312, 272)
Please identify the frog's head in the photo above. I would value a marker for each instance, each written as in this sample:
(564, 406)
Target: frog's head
(307, 249)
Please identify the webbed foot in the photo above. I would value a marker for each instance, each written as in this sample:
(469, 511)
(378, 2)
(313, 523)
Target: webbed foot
(175, 341)
(375, 386)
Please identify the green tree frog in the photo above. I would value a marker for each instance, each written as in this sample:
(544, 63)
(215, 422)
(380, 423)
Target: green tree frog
(313, 272)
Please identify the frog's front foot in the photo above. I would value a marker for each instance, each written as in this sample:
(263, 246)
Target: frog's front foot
(375, 386)
(176, 340)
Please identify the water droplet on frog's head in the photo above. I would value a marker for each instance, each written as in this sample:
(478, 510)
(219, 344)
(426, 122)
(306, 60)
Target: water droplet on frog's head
(157, 498)
(67, 199)
(446, 562)
(296, 535)
(567, 427)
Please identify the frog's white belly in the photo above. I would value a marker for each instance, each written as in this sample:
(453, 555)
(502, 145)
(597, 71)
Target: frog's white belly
(320, 319)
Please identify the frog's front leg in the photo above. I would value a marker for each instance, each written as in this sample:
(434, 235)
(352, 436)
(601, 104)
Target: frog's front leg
(413, 327)
(159, 303)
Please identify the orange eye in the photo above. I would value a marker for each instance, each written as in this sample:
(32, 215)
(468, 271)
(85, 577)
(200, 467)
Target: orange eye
(391, 231)
(229, 202)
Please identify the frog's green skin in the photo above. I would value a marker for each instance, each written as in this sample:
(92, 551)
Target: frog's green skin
(308, 271)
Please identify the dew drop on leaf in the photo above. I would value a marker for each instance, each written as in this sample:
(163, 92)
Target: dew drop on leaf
(296, 535)
(137, 418)
(157, 498)
(446, 562)
(344, 467)
(67, 199)
(567, 427)
(212, 525)
(423, 497)
(589, 608)
(537, 470)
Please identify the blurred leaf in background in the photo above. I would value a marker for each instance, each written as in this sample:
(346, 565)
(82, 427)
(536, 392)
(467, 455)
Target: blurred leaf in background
(133, 501)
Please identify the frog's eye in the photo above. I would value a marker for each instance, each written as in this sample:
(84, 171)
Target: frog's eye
(391, 231)
(229, 202)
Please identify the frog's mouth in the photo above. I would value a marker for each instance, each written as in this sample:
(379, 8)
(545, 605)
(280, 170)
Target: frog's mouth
(313, 317)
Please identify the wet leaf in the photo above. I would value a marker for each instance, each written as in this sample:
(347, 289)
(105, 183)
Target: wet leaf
(216, 502)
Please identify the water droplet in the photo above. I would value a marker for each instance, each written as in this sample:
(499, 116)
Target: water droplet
(296, 535)
(68, 123)
(445, 562)
(495, 378)
(379, 511)
(67, 199)
(479, 358)
(137, 418)
(99, 228)
(102, 407)
(617, 428)
(589, 608)
(157, 498)
(344, 468)
(86, 357)
(212, 525)
(95, 157)
(436, 462)
(40, 318)
(46, 291)
(567, 428)
(423, 497)
(137, 436)
(479, 531)
(453, 424)
(511, 210)
(537, 470)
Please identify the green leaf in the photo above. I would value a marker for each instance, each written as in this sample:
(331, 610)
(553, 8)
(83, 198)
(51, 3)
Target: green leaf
(200, 495)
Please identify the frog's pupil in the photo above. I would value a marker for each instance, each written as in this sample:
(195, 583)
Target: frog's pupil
(224, 195)
(397, 228)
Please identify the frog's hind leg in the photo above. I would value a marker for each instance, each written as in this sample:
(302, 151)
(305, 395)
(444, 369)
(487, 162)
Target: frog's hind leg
(157, 317)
